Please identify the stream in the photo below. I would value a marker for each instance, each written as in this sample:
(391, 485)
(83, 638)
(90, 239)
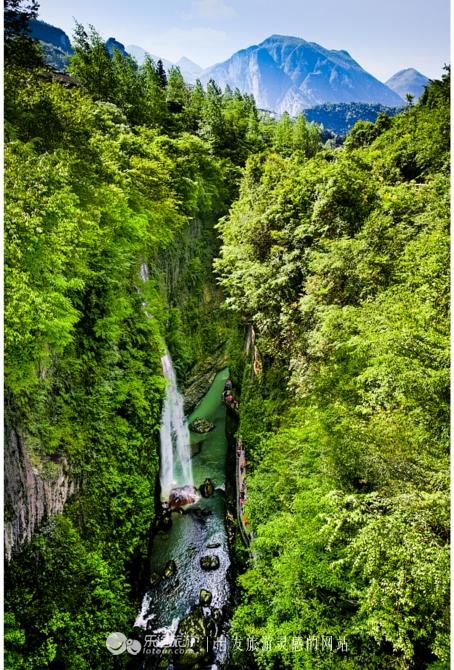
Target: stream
(183, 617)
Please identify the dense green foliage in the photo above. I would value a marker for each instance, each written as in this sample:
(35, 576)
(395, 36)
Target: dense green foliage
(99, 182)
(340, 117)
(123, 166)
(341, 263)
(19, 48)
(88, 199)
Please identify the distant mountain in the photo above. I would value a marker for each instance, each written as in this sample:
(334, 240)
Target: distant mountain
(339, 118)
(44, 32)
(289, 74)
(54, 41)
(190, 70)
(112, 44)
(139, 54)
(283, 73)
(408, 81)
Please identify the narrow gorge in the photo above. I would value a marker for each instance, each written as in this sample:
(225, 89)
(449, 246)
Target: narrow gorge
(226, 374)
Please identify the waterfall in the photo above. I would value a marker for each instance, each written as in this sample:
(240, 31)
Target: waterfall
(144, 273)
(176, 467)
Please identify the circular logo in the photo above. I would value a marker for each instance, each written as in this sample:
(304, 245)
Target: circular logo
(133, 647)
(116, 643)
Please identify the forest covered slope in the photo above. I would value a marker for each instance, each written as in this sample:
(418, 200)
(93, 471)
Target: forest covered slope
(341, 263)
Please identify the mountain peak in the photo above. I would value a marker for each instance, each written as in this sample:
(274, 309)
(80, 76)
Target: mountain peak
(112, 44)
(408, 81)
(287, 73)
(187, 61)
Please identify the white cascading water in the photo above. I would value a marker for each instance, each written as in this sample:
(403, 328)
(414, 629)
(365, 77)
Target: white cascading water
(144, 273)
(176, 467)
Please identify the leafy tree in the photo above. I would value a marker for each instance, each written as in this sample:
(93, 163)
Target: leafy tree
(162, 76)
(155, 110)
(283, 135)
(91, 63)
(128, 92)
(19, 49)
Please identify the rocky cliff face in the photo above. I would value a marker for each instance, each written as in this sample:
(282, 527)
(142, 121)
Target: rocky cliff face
(34, 489)
(201, 379)
(44, 32)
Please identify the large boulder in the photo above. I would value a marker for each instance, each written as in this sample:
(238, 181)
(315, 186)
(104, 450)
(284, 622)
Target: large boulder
(170, 569)
(155, 578)
(202, 378)
(207, 488)
(205, 597)
(196, 628)
(201, 426)
(183, 495)
(210, 562)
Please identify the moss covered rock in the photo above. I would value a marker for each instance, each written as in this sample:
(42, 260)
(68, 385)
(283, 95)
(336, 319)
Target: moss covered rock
(201, 426)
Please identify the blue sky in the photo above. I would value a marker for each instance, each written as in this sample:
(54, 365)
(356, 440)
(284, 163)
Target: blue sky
(384, 36)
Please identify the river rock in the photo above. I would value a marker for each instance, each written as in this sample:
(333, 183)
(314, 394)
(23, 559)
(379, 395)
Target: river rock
(205, 597)
(210, 562)
(154, 579)
(201, 426)
(207, 488)
(197, 628)
(165, 658)
(196, 448)
(169, 569)
(183, 495)
(164, 522)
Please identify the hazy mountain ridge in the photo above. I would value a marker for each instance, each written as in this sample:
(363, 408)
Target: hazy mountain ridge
(408, 81)
(188, 68)
(283, 73)
(57, 49)
(339, 118)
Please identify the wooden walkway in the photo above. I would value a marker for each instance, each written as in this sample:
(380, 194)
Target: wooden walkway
(241, 491)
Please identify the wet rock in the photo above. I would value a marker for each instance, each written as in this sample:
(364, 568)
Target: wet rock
(196, 627)
(205, 597)
(213, 545)
(210, 562)
(201, 426)
(154, 579)
(217, 618)
(184, 495)
(165, 658)
(169, 569)
(207, 488)
(164, 522)
(202, 377)
(196, 390)
(196, 448)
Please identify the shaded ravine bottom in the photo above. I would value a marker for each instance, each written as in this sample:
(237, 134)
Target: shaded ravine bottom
(184, 615)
